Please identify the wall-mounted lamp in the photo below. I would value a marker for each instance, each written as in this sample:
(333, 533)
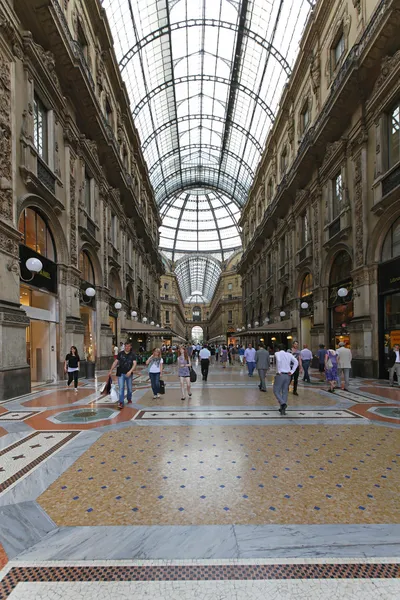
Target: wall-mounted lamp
(282, 314)
(304, 305)
(144, 319)
(256, 324)
(152, 323)
(273, 339)
(89, 292)
(33, 265)
(118, 306)
(134, 315)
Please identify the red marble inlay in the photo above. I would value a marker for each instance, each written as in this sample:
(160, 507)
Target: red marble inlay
(3, 432)
(389, 393)
(40, 422)
(3, 557)
(59, 397)
(362, 409)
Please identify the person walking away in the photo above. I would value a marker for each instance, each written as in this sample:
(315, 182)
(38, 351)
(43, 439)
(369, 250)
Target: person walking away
(71, 366)
(394, 364)
(126, 362)
(331, 371)
(189, 351)
(344, 363)
(224, 356)
(115, 351)
(121, 347)
(306, 358)
(184, 364)
(286, 365)
(241, 355)
(321, 360)
(217, 351)
(262, 365)
(212, 351)
(204, 361)
(295, 376)
(250, 356)
(155, 363)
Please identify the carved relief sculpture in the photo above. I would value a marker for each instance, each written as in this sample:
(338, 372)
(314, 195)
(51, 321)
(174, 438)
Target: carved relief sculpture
(6, 205)
(72, 193)
(358, 212)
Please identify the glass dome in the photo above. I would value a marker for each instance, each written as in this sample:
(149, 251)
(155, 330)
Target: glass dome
(200, 222)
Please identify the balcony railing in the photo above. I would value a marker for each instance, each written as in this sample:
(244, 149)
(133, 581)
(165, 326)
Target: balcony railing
(334, 228)
(391, 181)
(45, 175)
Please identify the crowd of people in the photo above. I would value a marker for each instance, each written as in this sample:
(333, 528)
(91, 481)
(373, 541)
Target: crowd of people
(334, 366)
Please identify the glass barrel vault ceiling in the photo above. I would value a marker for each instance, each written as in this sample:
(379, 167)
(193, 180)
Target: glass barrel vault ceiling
(204, 79)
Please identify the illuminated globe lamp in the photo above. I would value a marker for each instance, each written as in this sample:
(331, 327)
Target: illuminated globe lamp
(282, 314)
(34, 265)
(90, 292)
(249, 326)
(158, 325)
(256, 324)
(118, 306)
(304, 305)
(144, 319)
(152, 323)
(134, 315)
(342, 292)
(266, 320)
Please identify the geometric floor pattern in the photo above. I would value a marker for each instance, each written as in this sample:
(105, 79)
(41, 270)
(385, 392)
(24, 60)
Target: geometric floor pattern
(217, 496)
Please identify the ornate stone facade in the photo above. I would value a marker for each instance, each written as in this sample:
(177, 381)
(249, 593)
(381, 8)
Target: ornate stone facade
(342, 162)
(80, 169)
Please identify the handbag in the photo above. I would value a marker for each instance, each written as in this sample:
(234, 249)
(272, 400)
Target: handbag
(193, 375)
(329, 364)
(162, 386)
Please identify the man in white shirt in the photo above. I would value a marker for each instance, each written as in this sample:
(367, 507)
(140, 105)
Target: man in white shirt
(344, 363)
(204, 361)
(306, 358)
(286, 364)
(250, 357)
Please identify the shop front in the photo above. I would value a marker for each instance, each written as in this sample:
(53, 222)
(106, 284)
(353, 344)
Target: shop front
(389, 311)
(38, 296)
(340, 303)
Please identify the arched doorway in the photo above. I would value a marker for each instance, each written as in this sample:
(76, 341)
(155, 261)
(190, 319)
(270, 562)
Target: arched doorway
(197, 334)
(39, 292)
(341, 308)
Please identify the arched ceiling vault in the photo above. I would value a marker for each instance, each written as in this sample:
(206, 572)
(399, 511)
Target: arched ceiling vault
(204, 78)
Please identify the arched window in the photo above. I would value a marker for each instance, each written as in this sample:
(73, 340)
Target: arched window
(307, 286)
(341, 268)
(196, 313)
(115, 285)
(86, 268)
(391, 245)
(285, 297)
(129, 296)
(36, 234)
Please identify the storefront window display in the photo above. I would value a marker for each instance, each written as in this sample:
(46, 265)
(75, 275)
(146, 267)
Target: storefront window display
(341, 308)
(389, 296)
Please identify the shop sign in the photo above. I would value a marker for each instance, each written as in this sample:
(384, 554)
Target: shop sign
(395, 337)
(46, 278)
(389, 276)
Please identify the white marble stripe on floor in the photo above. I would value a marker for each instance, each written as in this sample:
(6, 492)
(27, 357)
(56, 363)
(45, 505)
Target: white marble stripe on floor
(14, 459)
(248, 414)
(17, 415)
(312, 589)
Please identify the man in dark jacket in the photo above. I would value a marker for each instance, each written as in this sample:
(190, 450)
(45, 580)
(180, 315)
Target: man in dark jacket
(394, 364)
(262, 365)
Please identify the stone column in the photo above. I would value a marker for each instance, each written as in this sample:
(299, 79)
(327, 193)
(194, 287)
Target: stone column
(14, 370)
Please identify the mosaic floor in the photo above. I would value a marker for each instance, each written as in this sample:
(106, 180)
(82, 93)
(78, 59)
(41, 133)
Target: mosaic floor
(218, 496)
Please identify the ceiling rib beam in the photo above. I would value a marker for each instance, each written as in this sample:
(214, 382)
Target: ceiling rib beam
(198, 77)
(164, 30)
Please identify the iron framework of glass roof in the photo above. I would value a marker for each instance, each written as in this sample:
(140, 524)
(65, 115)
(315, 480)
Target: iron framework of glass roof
(204, 78)
(197, 277)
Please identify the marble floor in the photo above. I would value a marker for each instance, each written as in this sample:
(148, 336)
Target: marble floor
(217, 496)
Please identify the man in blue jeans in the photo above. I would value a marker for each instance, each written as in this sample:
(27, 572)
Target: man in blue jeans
(126, 363)
(250, 358)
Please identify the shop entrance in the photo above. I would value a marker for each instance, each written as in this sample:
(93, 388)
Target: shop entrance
(41, 334)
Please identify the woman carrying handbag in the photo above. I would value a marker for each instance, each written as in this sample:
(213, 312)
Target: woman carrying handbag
(184, 366)
(331, 372)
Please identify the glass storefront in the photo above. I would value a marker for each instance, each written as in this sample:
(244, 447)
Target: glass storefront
(341, 309)
(389, 311)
